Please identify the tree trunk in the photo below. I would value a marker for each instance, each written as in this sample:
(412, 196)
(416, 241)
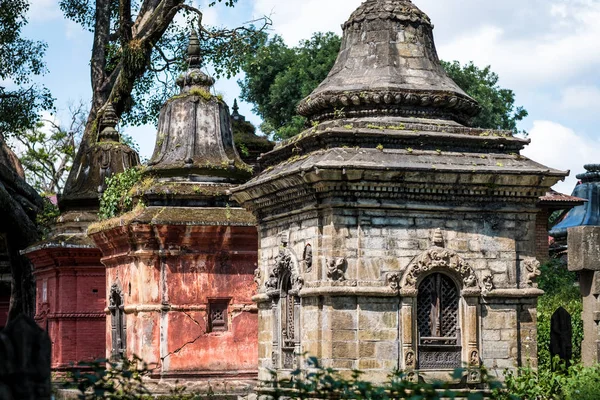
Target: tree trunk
(19, 205)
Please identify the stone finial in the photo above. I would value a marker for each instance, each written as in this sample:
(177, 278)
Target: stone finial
(108, 123)
(194, 77)
(193, 52)
(438, 238)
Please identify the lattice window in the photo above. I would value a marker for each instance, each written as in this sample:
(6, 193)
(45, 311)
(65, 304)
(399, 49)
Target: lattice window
(218, 310)
(438, 324)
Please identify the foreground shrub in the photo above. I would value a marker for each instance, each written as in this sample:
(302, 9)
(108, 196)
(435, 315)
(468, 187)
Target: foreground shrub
(317, 382)
(572, 383)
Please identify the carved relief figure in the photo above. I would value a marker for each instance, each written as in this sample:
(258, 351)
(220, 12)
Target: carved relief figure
(394, 280)
(308, 258)
(336, 268)
(488, 283)
(117, 321)
(532, 266)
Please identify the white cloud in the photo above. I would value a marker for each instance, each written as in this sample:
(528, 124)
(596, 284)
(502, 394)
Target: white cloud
(580, 98)
(296, 20)
(559, 147)
(43, 10)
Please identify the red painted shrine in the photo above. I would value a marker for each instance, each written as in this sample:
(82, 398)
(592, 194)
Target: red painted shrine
(180, 270)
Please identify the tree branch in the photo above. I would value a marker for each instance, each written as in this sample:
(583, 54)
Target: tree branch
(101, 40)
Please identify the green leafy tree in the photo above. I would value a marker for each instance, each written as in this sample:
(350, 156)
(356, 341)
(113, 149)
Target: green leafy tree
(138, 52)
(48, 150)
(498, 110)
(278, 77)
(20, 60)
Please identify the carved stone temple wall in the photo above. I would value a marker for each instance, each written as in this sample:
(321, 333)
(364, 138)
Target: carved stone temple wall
(392, 235)
(180, 271)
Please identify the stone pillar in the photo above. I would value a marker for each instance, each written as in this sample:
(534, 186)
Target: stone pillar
(584, 258)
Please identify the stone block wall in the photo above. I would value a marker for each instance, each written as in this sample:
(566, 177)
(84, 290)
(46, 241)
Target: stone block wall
(70, 288)
(357, 322)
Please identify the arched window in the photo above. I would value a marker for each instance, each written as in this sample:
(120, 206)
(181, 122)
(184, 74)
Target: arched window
(439, 344)
(117, 321)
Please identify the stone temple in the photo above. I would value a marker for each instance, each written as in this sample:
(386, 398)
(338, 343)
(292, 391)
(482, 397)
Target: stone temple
(388, 235)
(392, 235)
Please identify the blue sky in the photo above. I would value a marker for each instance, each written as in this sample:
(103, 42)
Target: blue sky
(547, 51)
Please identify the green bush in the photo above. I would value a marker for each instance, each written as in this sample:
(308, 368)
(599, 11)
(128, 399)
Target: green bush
(559, 285)
(562, 383)
(117, 198)
(317, 382)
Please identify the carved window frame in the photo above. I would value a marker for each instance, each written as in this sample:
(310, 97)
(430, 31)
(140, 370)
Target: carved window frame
(450, 264)
(283, 286)
(118, 323)
(218, 315)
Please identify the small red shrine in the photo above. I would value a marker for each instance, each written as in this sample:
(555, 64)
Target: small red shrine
(180, 269)
(70, 279)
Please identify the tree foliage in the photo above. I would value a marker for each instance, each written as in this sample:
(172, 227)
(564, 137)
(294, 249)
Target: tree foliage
(560, 291)
(498, 110)
(139, 50)
(20, 60)
(48, 150)
(278, 77)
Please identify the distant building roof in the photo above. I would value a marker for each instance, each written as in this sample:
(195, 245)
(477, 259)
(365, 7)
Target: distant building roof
(555, 200)
(587, 213)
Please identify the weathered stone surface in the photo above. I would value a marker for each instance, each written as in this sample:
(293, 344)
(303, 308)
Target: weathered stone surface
(584, 248)
(398, 202)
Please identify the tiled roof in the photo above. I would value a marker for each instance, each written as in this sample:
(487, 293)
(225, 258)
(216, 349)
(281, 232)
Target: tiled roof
(554, 197)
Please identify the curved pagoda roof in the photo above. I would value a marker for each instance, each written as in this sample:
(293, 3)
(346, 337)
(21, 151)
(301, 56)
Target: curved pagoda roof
(587, 214)
(388, 66)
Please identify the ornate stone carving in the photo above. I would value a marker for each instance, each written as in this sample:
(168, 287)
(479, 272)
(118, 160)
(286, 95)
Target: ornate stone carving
(474, 358)
(285, 265)
(438, 238)
(488, 283)
(409, 360)
(336, 268)
(440, 259)
(393, 280)
(308, 258)
(532, 266)
(474, 376)
(257, 277)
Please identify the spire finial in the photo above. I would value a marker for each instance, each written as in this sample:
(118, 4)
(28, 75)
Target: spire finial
(438, 238)
(194, 76)
(194, 54)
(108, 123)
(236, 108)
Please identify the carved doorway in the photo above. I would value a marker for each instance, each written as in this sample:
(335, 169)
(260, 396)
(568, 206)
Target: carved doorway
(439, 344)
(117, 320)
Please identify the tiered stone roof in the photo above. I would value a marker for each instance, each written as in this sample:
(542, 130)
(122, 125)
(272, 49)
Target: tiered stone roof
(389, 123)
(388, 66)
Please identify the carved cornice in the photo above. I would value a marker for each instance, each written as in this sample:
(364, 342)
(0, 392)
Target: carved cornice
(377, 103)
